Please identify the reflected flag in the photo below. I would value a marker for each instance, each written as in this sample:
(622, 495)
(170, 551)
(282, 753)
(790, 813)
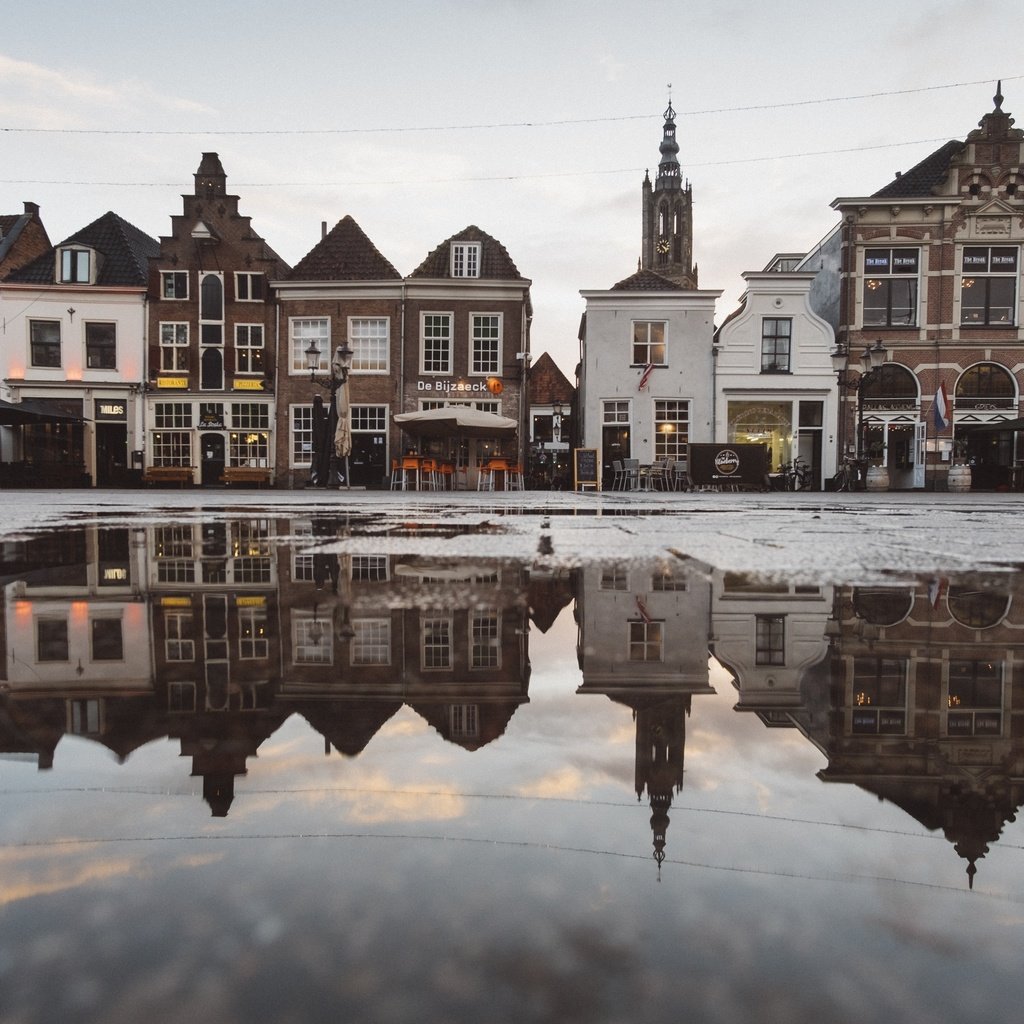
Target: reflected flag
(940, 409)
(642, 610)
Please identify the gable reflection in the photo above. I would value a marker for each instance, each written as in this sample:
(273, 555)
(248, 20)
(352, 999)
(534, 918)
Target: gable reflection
(215, 634)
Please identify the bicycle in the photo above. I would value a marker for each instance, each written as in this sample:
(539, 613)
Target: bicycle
(848, 476)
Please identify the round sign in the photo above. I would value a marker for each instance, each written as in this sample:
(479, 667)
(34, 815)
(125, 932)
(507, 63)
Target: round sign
(726, 461)
(495, 386)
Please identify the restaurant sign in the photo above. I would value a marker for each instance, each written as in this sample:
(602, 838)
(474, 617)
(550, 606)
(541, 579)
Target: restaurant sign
(247, 384)
(715, 465)
(492, 386)
(172, 382)
(110, 410)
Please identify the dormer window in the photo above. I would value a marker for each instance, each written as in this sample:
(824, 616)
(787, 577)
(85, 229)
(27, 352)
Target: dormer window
(75, 266)
(465, 259)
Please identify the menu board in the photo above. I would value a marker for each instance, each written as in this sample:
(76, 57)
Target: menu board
(584, 469)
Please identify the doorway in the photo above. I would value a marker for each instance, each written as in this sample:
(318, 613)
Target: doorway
(614, 448)
(111, 454)
(212, 447)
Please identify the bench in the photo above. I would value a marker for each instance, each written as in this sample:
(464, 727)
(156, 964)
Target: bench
(249, 475)
(169, 475)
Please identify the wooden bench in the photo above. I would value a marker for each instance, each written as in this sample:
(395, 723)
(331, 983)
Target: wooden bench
(180, 475)
(246, 475)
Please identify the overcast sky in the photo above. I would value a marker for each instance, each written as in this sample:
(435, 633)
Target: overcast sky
(533, 119)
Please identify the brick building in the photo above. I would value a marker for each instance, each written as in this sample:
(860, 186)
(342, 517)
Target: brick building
(22, 238)
(930, 268)
(212, 333)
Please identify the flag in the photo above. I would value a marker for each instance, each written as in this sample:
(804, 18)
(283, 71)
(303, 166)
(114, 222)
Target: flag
(648, 370)
(642, 610)
(940, 409)
(936, 588)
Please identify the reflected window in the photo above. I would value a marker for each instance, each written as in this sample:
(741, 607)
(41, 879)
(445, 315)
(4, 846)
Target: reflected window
(436, 646)
(882, 606)
(485, 640)
(614, 577)
(646, 640)
(84, 717)
(252, 633)
(977, 608)
(107, 640)
(369, 568)
(664, 580)
(465, 721)
(975, 700)
(52, 640)
(312, 643)
(181, 698)
(179, 642)
(770, 640)
(371, 643)
(879, 695)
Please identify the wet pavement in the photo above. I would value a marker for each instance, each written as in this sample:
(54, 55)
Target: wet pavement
(544, 757)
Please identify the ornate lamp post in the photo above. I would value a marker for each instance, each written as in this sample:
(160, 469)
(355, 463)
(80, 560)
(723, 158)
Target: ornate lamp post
(557, 411)
(332, 433)
(871, 359)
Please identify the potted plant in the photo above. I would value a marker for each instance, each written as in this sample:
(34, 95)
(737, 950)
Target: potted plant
(877, 477)
(959, 478)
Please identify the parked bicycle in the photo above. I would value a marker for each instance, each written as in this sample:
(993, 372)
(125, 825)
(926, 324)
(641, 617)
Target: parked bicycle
(848, 478)
(792, 476)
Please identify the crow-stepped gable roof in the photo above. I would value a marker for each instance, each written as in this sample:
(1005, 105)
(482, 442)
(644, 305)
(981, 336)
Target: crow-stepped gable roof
(345, 253)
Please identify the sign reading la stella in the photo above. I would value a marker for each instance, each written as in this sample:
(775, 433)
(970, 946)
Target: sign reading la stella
(492, 385)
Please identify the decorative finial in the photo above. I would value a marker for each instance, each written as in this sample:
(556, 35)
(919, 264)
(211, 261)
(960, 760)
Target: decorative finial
(972, 870)
(998, 98)
(670, 113)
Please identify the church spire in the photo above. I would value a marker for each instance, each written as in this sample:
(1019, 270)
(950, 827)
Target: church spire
(669, 171)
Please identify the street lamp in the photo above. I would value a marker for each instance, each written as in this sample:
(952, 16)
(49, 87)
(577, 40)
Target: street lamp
(332, 434)
(872, 358)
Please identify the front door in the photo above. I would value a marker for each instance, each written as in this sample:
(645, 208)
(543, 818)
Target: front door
(614, 448)
(368, 461)
(111, 454)
(212, 448)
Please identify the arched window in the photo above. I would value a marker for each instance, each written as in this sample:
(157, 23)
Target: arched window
(985, 384)
(891, 381)
(976, 607)
(882, 606)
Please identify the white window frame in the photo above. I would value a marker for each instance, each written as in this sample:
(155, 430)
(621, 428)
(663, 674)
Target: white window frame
(465, 259)
(175, 276)
(370, 362)
(69, 268)
(246, 332)
(301, 332)
(493, 369)
(295, 432)
(448, 370)
(371, 642)
(243, 284)
(48, 344)
(648, 344)
(175, 346)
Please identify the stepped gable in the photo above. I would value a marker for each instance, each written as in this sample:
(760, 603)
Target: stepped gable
(647, 281)
(495, 262)
(925, 178)
(124, 248)
(345, 253)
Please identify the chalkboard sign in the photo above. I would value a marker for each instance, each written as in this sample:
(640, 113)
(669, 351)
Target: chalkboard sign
(584, 469)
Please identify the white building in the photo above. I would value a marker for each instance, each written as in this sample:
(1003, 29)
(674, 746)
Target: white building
(646, 376)
(774, 382)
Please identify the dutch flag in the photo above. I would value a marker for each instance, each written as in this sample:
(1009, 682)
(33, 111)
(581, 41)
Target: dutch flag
(940, 409)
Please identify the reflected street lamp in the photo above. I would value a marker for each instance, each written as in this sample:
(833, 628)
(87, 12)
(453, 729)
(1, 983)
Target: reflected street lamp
(324, 470)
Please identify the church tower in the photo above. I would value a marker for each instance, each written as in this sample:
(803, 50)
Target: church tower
(668, 215)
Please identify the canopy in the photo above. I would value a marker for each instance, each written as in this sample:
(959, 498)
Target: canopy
(33, 411)
(992, 426)
(455, 421)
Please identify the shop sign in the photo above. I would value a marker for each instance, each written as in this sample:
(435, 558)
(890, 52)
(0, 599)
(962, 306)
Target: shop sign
(247, 384)
(108, 409)
(717, 464)
(250, 602)
(492, 386)
(113, 575)
(172, 382)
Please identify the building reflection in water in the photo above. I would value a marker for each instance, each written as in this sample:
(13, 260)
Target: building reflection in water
(215, 633)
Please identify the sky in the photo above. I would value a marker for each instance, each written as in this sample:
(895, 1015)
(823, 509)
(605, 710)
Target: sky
(533, 119)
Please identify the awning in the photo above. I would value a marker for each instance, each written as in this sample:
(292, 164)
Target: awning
(992, 427)
(455, 421)
(34, 410)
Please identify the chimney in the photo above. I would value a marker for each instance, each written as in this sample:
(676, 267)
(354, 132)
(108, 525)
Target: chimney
(32, 209)
(323, 229)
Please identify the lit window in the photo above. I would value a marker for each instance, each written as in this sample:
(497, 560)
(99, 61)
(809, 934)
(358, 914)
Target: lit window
(671, 428)
(988, 286)
(649, 343)
(879, 696)
(249, 348)
(173, 346)
(646, 640)
(890, 287)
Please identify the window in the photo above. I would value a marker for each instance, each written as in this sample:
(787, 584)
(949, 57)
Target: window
(84, 717)
(107, 640)
(649, 343)
(975, 700)
(465, 259)
(436, 343)
(370, 568)
(249, 348)
(615, 412)
(776, 336)
(101, 346)
(174, 284)
(879, 695)
(671, 428)
(172, 414)
(465, 721)
(485, 357)
(173, 346)
(181, 697)
(988, 286)
(770, 643)
(485, 639)
(249, 287)
(250, 415)
(614, 577)
(436, 649)
(985, 386)
(646, 640)
(890, 287)
(369, 419)
(52, 639)
(44, 336)
(74, 266)
(306, 332)
(302, 435)
(370, 341)
(172, 448)
(252, 633)
(312, 643)
(179, 644)
(371, 643)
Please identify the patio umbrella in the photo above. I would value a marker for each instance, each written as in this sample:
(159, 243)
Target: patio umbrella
(455, 421)
(343, 431)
